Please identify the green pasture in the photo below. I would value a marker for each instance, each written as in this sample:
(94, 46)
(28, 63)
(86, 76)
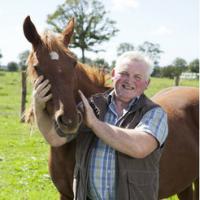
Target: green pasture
(23, 151)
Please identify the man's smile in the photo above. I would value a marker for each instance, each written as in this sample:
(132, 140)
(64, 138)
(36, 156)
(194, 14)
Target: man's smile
(127, 87)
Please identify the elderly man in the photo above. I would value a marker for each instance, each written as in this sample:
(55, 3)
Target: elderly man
(119, 148)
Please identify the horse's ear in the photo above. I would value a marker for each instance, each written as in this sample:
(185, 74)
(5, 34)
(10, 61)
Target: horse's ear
(30, 32)
(68, 32)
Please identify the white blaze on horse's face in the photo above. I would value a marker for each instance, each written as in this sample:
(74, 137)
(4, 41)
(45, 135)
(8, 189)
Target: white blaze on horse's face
(54, 55)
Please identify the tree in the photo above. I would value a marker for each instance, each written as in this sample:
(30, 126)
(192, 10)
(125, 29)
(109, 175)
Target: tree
(123, 47)
(152, 50)
(157, 72)
(91, 29)
(179, 65)
(12, 66)
(113, 64)
(22, 59)
(98, 62)
(179, 62)
(0, 57)
(167, 72)
(88, 61)
(101, 63)
(194, 66)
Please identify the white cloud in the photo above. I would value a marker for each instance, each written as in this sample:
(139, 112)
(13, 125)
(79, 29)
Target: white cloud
(162, 30)
(122, 4)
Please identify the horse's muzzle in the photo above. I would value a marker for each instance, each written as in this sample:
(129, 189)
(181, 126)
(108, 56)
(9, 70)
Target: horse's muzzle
(65, 126)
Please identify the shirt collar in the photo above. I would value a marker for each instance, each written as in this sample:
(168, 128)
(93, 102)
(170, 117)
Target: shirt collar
(131, 103)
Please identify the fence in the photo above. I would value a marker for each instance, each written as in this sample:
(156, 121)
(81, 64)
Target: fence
(189, 75)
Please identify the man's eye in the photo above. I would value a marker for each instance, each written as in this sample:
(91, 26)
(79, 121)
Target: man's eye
(124, 74)
(138, 78)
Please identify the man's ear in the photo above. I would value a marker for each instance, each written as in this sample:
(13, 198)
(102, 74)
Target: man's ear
(148, 82)
(113, 72)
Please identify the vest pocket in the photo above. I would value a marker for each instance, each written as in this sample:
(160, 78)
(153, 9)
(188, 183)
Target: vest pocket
(143, 185)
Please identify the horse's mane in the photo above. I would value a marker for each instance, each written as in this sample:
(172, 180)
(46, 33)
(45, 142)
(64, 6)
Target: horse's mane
(54, 43)
(95, 75)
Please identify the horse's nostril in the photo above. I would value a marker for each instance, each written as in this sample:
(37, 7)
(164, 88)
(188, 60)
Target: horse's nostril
(69, 121)
(62, 121)
(65, 122)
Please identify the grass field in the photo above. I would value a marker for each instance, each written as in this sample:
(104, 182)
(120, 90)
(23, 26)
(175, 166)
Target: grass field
(24, 153)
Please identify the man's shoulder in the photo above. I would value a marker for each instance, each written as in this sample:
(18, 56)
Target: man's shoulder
(146, 102)
(159, 111)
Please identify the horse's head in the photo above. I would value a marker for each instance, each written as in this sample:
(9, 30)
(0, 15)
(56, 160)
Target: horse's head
(51, 58)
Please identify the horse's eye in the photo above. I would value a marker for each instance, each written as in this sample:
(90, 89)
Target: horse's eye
(75, 63)
(37, 69)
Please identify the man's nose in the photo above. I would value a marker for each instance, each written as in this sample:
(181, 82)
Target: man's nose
(131, 80)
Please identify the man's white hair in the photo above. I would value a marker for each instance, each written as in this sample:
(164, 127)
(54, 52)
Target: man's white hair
(131, 56)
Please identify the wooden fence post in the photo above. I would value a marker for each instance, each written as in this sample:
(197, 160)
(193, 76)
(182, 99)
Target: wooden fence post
(23, 96)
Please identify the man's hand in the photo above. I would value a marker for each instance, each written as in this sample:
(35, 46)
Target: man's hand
(40, 97)
(89, 116)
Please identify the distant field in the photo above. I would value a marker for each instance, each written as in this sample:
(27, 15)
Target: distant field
(24, 153)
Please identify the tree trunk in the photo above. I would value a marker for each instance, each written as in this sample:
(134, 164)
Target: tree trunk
(23, 96)
(176, 80)
(83, 55)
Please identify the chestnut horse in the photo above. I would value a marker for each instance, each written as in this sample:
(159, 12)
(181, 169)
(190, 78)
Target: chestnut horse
(51, 57)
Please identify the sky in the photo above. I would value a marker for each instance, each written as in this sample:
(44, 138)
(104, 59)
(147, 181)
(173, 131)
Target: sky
(174, 24)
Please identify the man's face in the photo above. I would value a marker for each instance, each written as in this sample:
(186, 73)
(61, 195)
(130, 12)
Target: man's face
(130, 80)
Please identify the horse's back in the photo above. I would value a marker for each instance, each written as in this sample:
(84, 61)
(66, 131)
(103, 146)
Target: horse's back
(181, 148)
(188, 95)
(181, 102)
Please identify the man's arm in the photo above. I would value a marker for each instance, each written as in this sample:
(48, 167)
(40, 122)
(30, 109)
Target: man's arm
(134, 143)
(43, 120)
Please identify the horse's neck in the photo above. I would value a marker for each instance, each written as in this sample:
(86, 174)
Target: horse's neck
(89, 87)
